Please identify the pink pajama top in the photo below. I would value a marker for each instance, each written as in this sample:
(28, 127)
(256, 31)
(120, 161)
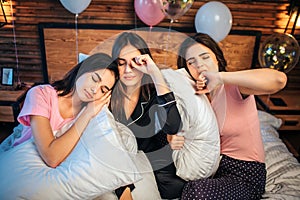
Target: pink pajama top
(41, 100)
(239, 124)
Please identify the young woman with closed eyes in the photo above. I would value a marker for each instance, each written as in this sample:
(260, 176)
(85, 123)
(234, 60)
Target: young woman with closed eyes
(140, 99)
(242, 172)
(74, 100)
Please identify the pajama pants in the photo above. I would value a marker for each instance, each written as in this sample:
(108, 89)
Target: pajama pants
(234, 179)
(169, 185)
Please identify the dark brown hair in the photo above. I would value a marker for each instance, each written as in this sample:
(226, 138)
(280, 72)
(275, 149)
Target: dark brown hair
(205, 40)
(119, 93)
(94, 62)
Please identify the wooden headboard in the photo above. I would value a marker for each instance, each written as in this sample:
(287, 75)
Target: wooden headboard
(61, 44)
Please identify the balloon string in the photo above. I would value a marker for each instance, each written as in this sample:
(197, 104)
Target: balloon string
(149, 34)
(15, 44)
(135, 22)
(168, 38)
(76, 32)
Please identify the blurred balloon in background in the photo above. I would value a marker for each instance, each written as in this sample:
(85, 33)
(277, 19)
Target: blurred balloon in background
(75, 6)
(279, 51)
(149, 11)
(214, 18)
(174, 9)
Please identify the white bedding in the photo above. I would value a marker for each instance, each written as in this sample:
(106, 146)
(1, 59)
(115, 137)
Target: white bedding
(283, 170)
(100, 162)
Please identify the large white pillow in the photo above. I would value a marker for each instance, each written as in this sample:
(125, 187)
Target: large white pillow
(199, 157)
(146, 188)
(99, 163)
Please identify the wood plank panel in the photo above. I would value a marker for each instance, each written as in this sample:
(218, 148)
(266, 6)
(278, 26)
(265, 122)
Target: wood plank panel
(6, 114)
(266, 16)
(238, 47)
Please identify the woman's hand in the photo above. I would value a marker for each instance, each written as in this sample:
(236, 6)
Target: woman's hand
(201, 83)
(94, 107)
(176, 141)
(145, 64)
(211, 80)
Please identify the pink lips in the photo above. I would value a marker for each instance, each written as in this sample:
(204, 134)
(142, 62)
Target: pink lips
(129, 77)
(88, 95)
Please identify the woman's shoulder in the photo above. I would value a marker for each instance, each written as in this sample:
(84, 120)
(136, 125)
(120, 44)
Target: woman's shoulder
(46, 87)
(42, 89)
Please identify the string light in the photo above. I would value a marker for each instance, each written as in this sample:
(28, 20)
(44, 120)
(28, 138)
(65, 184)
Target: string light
(3, 12)
(294, 11)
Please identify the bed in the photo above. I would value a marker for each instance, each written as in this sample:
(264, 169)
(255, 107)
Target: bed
(283, 170)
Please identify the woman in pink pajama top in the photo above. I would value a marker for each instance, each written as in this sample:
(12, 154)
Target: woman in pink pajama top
(242, 172)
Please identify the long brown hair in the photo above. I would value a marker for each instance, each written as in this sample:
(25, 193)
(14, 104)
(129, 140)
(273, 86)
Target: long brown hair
(119, 93)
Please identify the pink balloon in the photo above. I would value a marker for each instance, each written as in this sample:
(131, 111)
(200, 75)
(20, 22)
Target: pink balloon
(149, 11)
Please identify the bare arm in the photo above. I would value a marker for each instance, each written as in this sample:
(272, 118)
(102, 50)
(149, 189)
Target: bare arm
(256, 81)
(55, 150)
(160, 84)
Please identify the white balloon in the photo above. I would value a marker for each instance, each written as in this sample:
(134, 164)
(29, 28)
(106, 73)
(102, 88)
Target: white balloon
(75, 6)
(214, 18)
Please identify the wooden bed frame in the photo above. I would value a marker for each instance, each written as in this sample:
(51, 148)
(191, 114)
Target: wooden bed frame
(61, 43)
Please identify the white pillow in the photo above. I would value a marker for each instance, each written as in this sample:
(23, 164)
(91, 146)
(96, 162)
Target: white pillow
(199, 157)
(146, 188)
(97, 164)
